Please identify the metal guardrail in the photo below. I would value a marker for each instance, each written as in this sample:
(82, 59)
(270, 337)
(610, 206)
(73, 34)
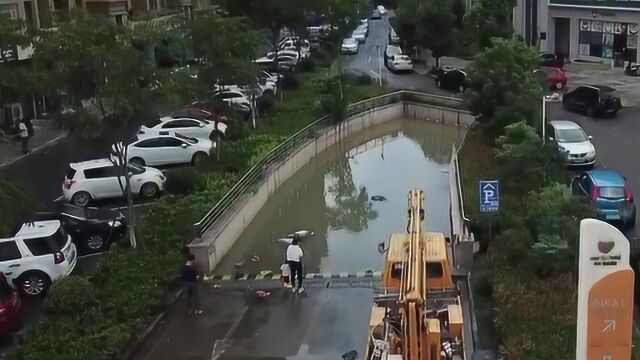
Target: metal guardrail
(280, 152)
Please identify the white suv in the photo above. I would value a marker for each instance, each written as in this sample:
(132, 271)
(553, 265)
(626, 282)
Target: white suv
(164, 148)
(186, 126)
(98, 179)
(38, 254)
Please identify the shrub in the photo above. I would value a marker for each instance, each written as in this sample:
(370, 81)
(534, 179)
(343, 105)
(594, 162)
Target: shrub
(307, 65)
(322, 57)
(184, 181)
(330, 47)
(70, 296)
(363, 80)
(514, 245)
(237, 129)
(15, 205)
(290, 82)
(266, 104)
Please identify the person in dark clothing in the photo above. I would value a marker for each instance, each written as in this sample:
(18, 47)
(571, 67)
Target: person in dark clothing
(191, 275)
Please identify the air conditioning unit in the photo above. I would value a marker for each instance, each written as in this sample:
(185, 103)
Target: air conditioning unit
(13, 115)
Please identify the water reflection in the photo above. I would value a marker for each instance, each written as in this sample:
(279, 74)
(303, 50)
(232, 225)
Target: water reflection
(332, 197)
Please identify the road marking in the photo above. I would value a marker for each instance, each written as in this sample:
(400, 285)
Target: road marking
(219, 346)
(374, 73)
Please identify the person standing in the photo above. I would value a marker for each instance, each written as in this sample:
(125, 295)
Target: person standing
(294, 258)
(24, 137)
(190, 276)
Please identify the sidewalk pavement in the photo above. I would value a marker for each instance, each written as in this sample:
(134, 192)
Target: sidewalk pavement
(322, 323)
(45, 134)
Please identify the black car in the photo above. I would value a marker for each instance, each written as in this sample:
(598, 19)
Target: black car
(92, 230)
(452, 79)
(594, 100)
(548, 59)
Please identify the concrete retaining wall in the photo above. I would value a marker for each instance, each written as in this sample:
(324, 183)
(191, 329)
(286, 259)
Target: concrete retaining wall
(217, 241)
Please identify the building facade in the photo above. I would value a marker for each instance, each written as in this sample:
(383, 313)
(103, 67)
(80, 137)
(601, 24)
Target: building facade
(582, 29)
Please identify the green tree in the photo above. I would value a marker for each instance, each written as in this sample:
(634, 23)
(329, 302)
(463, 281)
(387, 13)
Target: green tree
(435, 29)
(334, 96)
(459, 10)
(407, 20)
(226, 47)
(523, 161)
(12, 35)
(489, 19)
(503, 89)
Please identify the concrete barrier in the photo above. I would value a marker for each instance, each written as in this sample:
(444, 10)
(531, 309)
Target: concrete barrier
(216, 241)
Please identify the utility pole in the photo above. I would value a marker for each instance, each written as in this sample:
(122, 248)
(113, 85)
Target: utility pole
(379, 67)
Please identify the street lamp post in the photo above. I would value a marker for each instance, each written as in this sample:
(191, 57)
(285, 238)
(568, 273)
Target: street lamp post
(545, 99)
(379, 67)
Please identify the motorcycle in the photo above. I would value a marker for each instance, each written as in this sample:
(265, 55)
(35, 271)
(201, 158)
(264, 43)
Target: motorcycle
(632, 70)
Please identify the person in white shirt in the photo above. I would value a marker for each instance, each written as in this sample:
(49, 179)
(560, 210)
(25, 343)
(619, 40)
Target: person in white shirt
(294, 259)
(24, 137)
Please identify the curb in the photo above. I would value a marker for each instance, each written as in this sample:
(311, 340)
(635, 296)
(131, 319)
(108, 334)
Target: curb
(276, 276)
(34, 150)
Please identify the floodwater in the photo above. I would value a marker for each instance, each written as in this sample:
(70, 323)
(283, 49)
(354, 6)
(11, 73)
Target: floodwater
(331, 196)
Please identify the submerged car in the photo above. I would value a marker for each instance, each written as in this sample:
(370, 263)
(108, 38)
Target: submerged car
(572, 141)
(349, 46)
(609, 194)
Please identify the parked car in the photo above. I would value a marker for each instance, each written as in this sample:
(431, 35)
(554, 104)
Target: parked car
(10, 307)
(101, 179)
(452, 79)
(349, 46)
(389, 51)
(294, 43)
(293, 53)
(594, 100)
(185, 126)
(399, 63)
(164, 148)
(551, 77)
(38, 254)
(548, 59)
(314, 43)
(235, 99)
(365, 28)
(195, 113)
(610, 195)
(284, 63)
(572, 141)
(359, 35)
(205, 107)
(376, 15)
(92, 229)
(268, 76)
(393, 37)
(381, 10)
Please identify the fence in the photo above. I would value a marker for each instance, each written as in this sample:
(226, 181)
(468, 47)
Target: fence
(252, 176)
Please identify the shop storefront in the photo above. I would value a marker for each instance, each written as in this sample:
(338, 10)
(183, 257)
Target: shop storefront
(592, 32)
(604, 39)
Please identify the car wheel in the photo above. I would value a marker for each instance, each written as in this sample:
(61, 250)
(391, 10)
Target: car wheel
(95, 242)
(198, 158)
(559, 86)
(81, 198)
(149, 190)
(136, 161)
(34, 283)
(590, 111)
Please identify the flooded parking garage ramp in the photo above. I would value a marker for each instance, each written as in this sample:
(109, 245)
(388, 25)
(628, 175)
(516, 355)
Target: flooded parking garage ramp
(352, 197)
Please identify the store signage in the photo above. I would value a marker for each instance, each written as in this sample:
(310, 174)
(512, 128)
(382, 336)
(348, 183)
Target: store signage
(632, 29)
(605, 293)
(600, 4)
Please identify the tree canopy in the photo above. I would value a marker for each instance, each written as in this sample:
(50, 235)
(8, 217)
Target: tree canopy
(488, 19)
(503, 89)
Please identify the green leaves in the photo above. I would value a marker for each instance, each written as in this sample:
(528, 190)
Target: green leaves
(503, 89)
(489, 19)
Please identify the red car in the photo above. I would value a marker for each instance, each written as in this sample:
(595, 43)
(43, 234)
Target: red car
(10, 307)
(199, 109)
(553, 77)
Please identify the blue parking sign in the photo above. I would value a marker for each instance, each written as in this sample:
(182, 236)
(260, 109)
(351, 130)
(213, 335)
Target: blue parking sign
(489, 196)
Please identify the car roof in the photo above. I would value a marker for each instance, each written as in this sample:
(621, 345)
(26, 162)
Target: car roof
(38, 229)
(564, 124)
(602, 177)
(601, 87)
(90, 164)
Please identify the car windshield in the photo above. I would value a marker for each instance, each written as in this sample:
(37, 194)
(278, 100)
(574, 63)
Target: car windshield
(612, 192)
(571, 135)
(187, 138)
(153, 122)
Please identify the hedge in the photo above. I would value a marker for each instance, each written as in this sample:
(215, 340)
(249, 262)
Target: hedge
(131, 285)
